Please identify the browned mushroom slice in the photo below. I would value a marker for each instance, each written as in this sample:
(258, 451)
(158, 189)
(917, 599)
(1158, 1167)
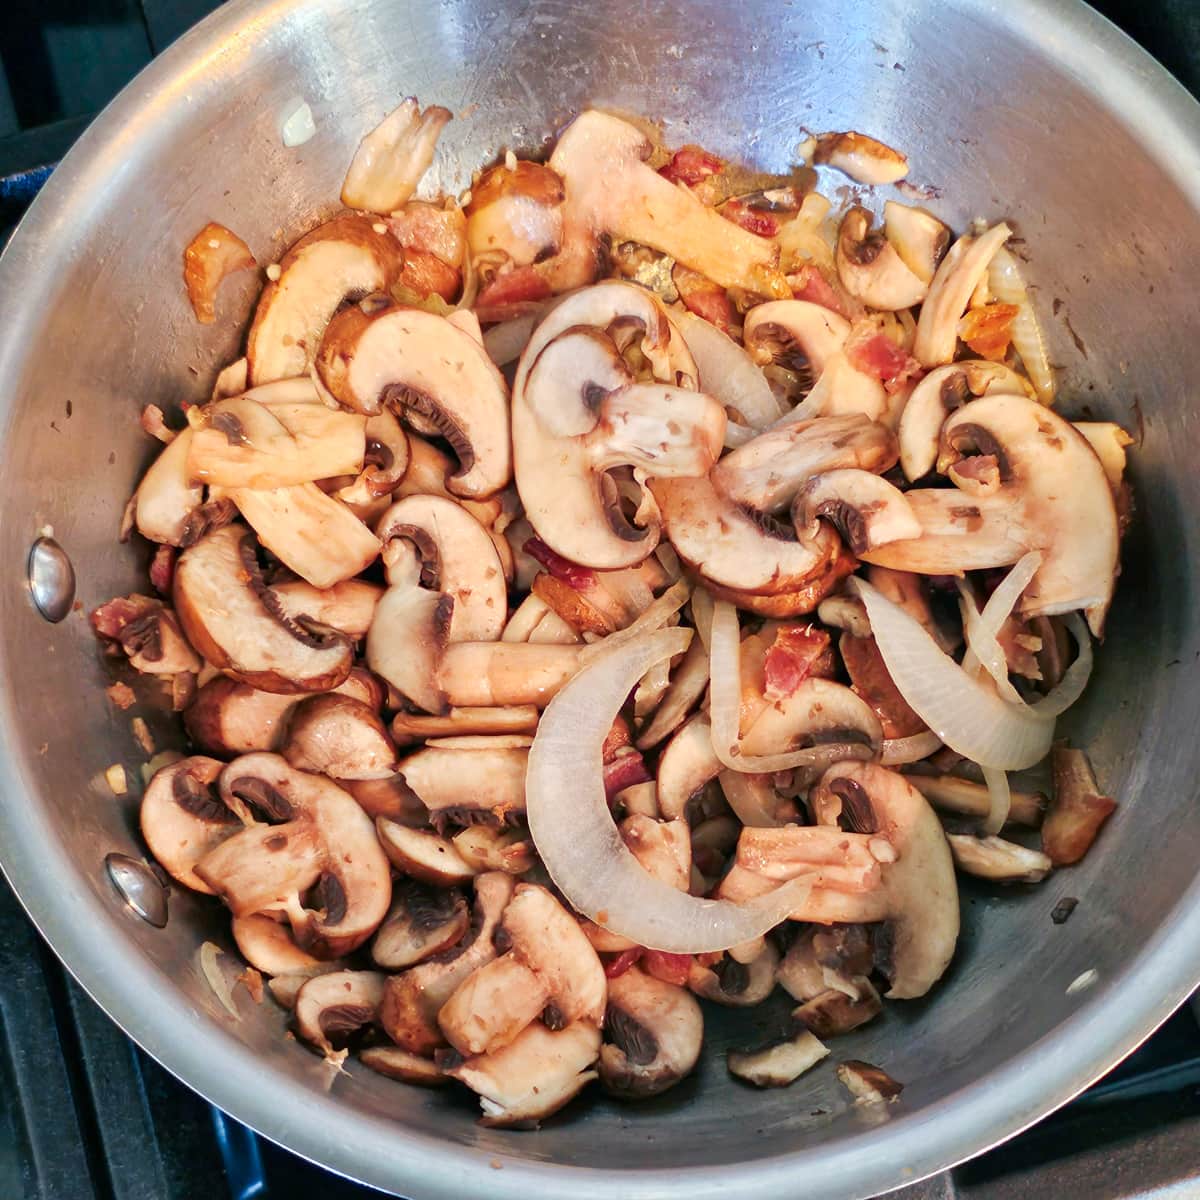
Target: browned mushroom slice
(408, 728)
(463, 786)
(998, 860)
(664, 848)
(487, 674)
(148, 633)
(423, 855)
(390, 160)
(331, 1008)
(654, 1032)
(230, 617)
(523, 1083)
(391, 798)
(865, 509)
(340, 737)
(831, 1012)
(413, 999)
(487, 849)
(516, 212)
(424, 365)
(183, 818)
(323, 842)
(736, 984)
(546, 938)
(426, 474)
(167, 497)
(870, 680)
(423, 921)
(686, 766)
(492, 1005)
(348, 606)
(780, 1064)
(868, 1084)
(870, 267)
(400, 1064)
(1078, 810)
(345, 256)
(267, 944)
(864, 158)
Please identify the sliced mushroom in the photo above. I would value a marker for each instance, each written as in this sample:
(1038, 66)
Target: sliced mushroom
(755, 801)
(664, 848)
(492, 1006)
(919, 887)
(323, 843)
(686, 766)
(487, 674)
(422, 364)
(183, 818)
(516, 212)
(918, 236)
(1078, 810)
(400, 1064)
(780, 1064)
(464, 786)
(868, 1084)
(531, 1078)
(344, 257)
(340, 737)
(956, 279)
(414, 727)
(849, 861)
(316, 536)
(818, 711)
(385, 464)
(422, 855)
(423, 921)
(390, 160)
(846, 613)
(267, 944)
(831, 1013)
(331, 1008)
(413, 999)
(865, 509)
(234, 622)
(785, 329)
(767, 472)
(148, 633)
(610, 188)
(167, 496)
(733, 983)
(654, 1034)
(998, 860)
(426, 474)
(545, 937)
(948, 793)
(870, 679)
(805, 599)
(864, 158)
(348, 607)
(871, 268)
(579, 411)
(488, 849)
(391, 798)
(688, 682)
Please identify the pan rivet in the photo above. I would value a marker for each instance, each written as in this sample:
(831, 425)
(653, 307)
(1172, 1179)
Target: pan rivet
(51, 579)
(139, 887)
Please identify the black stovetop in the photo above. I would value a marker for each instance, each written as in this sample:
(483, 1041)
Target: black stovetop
(88, 1116)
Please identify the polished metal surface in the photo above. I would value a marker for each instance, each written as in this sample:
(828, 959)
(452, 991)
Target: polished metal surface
(51, 579)
(1036, 110)
(139, 887)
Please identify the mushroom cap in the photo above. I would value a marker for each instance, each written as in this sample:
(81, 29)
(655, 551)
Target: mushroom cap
(465, 786)
(864, 508)
(458, 559)
(422, 855)
(687, 763)
(341, 737)
(818, 711)
(918, 236)
(167, 497)
(870, 267)
(424, 364)
(921, 890)
(348, 607)
(1060, 495)
(336, 1005)
(227, 620)
(267, 944)
(817, 332)
(343, 257)
(655, 1031)
(422, 921)
(736, 984)
(492, 1005)
(406, 641)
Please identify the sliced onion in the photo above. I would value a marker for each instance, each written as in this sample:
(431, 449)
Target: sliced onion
(727, 372)
(470, 287)
(999, 800)
(896, 752)
(725, 702)
(1071, 686)
(687, 686)
(210, 968)
(578, 842)
(982, 628)
(656, 616)
(504, 342)
(965, 712)
(1004, 277)
(702, 615)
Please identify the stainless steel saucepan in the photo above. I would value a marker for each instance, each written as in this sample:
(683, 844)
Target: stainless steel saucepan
(1036, 110)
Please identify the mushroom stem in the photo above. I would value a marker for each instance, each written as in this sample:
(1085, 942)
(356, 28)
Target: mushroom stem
(948, 793)
(485, 674)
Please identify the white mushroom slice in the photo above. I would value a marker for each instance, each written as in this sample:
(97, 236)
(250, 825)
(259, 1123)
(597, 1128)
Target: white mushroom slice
(956, 279)
(688, 682)
(578, 413)
(422, 855)
(780, 1064)
(344, 257)
(918, 236)
(231, 380)
(458, 559)
(663, 848)
(462, 786)
(413, 999)
(817, 332)
(532, 1077)
(340, 737)
(1109, 442)
(547, 938)
(845, 612)
(686, 765)
(733, 983)
(403, 1065)
(222, 606)
(871, 268)
(654, 1033)
(390, 160)
(406, 642)
(412, 727)
(267, 945)
(385, 462)
(920, 888)
(348, 607)
(818, 711)
(324, 852)
(790, 850)
(767, 472)
(491, 1006)
(998, 860)
(484, 674)
(610, 188)
(715, 536)
(315, 535)
(240, 443)
(426, 474)
(865, 509)
(865, 159)
(526, 618)
(167, 497)
(842, 388)
(1058, 496)
(422, 921)
(333, 1006)
(487, 849)
(426, 368)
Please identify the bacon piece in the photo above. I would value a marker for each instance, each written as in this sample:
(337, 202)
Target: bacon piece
(111, 617)
(988, 330)
(425, 274)
(571, 573)
(162, 569)
(701, 296)
(874, 353)
(792, 657)
(809, 283)
(121, 694)
(755, 220)
(511, 294)
(426, 227)
(617, 738)
(691, 164)
(869, 677)
(617, 967)
(624, 771)
(214, 253)
(669, 968)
